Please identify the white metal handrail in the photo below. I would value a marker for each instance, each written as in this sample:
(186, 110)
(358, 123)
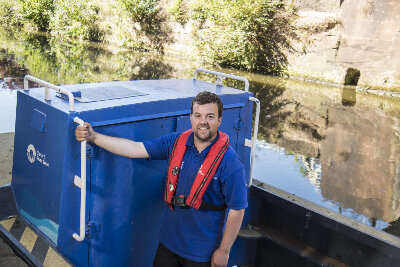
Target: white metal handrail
(81, 183)
(47, 87)
(221, 75)
(252, 143)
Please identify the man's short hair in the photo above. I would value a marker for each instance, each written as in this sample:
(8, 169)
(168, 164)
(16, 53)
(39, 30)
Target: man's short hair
(206, 98)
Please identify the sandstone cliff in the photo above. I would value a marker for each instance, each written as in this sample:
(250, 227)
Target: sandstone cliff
(341, 35)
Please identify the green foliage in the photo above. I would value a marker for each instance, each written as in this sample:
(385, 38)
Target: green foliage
(179, 10)
(9, 19)
(140, 10)
(249, 34)
(63, 62)
(77, 19)
(36, 12)
(146, 28)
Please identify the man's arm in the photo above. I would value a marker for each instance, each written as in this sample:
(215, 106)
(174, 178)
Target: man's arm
(233, 223)
(120, 146)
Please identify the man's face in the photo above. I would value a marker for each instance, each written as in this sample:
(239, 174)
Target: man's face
(205, 121)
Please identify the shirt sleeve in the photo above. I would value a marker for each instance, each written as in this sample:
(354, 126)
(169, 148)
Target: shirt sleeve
(160, 148)
(234, 184)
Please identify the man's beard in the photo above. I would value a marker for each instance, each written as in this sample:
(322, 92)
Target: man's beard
(208, 138)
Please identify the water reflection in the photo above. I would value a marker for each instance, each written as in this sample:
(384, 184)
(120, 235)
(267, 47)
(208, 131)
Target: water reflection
(348, 149)
(360, 163)
(10, 71)
(349, 96)
(61, 62)
(333, 146)
(8, 101)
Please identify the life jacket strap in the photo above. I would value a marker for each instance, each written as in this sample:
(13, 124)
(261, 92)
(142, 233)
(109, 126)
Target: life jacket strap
(180, 201)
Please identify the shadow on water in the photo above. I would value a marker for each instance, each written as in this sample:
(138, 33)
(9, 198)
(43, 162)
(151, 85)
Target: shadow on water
(332, 146)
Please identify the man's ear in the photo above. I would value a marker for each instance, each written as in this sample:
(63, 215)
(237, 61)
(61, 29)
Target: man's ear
(219, 121)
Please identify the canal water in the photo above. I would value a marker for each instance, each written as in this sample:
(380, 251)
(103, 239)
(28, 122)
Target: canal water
(336, 147)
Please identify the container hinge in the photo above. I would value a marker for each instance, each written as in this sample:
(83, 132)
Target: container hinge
(248, 142)
(78, 181)
(89, 151)
(91, 228)
(238, 123)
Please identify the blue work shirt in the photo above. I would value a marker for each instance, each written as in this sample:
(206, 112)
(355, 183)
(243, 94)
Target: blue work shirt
(196, 234)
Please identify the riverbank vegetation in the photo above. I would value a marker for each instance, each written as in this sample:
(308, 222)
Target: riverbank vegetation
(249, 34)
(246, 34)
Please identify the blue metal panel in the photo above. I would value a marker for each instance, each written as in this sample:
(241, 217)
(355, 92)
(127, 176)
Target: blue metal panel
(76, 252)
(124, 196)
(38, 161)
(126, 199)
(38, 121)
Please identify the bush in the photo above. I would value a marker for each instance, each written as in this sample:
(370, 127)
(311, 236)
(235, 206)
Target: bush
(179, 10)
(140, 10)
(146, 28)
(77, 19)
(36, 12)
(249, 34)
(9, 19)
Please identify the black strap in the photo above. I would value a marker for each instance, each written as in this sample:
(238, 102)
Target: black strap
(209, 206)
(181, 202)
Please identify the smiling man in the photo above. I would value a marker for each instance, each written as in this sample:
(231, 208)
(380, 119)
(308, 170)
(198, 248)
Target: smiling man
(205, 180)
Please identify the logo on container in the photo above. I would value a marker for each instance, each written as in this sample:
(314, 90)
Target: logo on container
(31, 153)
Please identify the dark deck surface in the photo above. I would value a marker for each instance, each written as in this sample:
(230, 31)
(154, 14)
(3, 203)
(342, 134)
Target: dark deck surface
(8, 257)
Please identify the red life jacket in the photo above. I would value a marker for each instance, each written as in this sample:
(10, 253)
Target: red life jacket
(204, 175)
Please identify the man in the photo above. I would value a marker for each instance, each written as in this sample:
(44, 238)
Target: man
(205, 176)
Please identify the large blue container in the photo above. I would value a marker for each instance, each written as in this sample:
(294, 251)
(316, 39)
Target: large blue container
(124, 196)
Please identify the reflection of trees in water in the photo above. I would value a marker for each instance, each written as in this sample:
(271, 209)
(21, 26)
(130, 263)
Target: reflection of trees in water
(10, 71)
(310, 168)
(144, 67)
(288, 115)
(288, 118)
(79, 63)
(272, 113)
(67, 63)
(153, 69)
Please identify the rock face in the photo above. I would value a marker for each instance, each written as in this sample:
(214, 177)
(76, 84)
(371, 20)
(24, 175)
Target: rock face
(335, 37)
(349, 34)
(359, 163)
(371, 40)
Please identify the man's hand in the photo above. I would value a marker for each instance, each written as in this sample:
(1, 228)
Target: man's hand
(119, 146)
(219, 258)
(85, 132)
(234, 221)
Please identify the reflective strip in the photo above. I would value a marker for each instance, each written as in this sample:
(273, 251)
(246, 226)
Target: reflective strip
(8, 223)
(28, 239)
(53, 259)
(35, 244)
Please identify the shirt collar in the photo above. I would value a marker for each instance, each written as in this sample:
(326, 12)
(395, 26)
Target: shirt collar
(190, 143)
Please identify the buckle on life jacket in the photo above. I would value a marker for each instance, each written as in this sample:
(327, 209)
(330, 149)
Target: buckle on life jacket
(179, 201)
